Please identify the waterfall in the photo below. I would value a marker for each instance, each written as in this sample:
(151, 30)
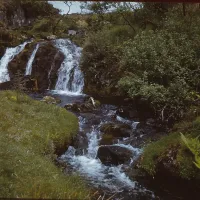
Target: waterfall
(8, 57)
(70, 77)
(30, 62)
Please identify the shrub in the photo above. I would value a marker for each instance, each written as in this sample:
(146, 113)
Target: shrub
(158, 64)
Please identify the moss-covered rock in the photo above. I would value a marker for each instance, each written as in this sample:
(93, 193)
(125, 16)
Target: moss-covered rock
(170, 154)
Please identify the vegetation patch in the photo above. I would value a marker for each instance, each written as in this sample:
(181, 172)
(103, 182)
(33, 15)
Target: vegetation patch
(178, 155)
(30, 133)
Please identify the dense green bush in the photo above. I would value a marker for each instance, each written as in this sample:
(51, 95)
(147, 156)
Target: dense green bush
(158, 64)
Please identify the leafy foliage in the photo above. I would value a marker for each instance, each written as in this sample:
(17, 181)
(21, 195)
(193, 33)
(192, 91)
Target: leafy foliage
(193, 144)
(158, 64)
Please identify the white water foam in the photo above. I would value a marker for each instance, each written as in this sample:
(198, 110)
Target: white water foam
(8, 57)
(112, 178)
(126, 121)
(70, 78)
(31, 59)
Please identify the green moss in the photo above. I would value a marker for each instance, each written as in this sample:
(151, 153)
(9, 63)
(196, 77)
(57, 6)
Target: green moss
(154, 150)
(30, 131)
(187, 170)
(107, 139)
(183, 159)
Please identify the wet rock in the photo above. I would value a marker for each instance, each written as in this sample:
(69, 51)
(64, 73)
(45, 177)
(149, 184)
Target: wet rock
(151, 122)
(107, 139)
(116, 130)
(45, 66)
(51, 37)
(80, 142)
(25, 84)
(114, 155)
(127, 112)
(73, 107)
(144, 128)
(89, 105)
(6, 85)
(18, 64)
(91, 118)
(51, 100)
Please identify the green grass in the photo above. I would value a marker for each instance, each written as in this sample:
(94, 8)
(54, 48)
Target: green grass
(156, 149)
(30, 132)
(173, 147)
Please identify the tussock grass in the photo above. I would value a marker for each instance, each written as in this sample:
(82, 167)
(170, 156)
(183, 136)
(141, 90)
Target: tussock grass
(30, 131)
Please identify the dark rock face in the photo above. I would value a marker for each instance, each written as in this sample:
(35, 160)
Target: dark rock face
(114, 155)
(6, 85)
(22, 13)
(80, 142)
(91, 119)
(26, 84)
(46, 64)
(116, 130)
(127, 112)
(20, 61)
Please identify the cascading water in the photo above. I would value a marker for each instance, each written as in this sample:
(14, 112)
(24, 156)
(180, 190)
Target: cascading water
(112, 179)
(8, 57)
(70, 77)
(30, 62)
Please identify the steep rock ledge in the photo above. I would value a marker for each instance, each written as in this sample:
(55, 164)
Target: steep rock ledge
(45, 65)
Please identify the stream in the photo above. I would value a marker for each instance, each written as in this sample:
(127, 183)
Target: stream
(108, 179)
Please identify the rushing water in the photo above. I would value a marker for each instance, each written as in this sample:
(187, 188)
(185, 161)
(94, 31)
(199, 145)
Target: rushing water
(70, 78)
(110, 179)
(8, 56)
(31, 59)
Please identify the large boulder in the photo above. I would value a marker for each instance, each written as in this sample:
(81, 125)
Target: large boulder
(112, 132)
(117, 130)
(114, 155)
(80, 142)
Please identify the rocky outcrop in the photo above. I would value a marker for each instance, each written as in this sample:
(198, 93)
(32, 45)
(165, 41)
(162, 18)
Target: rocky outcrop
(22, 13)
(18, 64)
(45, 65)
(114, 155)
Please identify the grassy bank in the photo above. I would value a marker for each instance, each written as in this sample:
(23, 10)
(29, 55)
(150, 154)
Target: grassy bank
(170, 154)
(30, 132)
